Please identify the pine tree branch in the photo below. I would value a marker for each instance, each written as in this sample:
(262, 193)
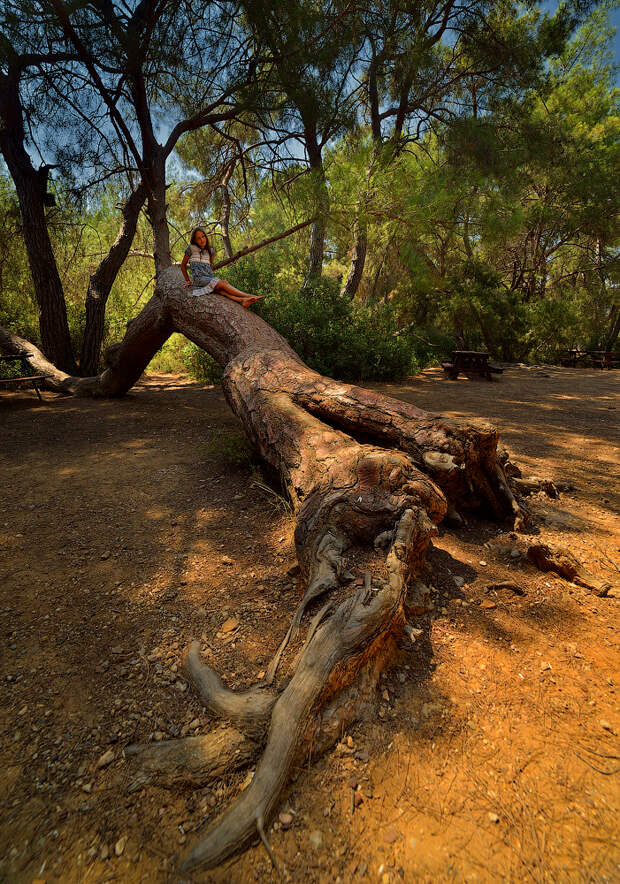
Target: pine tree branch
(260, 245)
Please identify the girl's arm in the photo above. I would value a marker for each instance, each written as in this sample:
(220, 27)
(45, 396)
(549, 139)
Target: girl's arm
(184, 270)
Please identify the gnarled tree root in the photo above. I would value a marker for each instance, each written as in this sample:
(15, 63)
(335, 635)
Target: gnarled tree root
(326, 567)
(192, 761)
(334, 658)
(533, 485)
(249, 711)
(563, 562)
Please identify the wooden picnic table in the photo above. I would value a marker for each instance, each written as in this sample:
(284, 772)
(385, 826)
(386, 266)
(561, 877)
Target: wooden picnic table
(25, 376)
(604, 358)
(470, 362)
(570, 358)
(600, 358)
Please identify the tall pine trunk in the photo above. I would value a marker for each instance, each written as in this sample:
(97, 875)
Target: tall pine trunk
(157, 209)
(319, 228)
(31, 187)
(226, 210)
(358, 257)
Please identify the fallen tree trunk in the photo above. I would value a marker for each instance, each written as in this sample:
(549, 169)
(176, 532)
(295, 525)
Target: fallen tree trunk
(357, 466)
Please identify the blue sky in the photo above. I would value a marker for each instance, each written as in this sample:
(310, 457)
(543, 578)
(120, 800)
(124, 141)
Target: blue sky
(614, 19)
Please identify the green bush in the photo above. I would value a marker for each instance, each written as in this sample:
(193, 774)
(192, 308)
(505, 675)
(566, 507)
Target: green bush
(200, 365)
(261, 274)
(430, 345)
(18, 313)
(489, 316)
(554, 325)
(338, 337)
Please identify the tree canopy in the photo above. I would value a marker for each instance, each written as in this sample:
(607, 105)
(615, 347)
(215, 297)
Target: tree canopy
(455, 164)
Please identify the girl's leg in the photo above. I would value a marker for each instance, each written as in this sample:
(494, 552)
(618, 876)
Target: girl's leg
(225, 288)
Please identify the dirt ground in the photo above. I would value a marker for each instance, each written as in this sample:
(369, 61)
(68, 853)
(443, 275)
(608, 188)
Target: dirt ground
(494, 755)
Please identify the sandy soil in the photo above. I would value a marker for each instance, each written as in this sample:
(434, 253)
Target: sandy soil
(494, 755)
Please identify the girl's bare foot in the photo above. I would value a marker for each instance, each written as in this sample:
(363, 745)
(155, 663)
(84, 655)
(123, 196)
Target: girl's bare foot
(252, 300)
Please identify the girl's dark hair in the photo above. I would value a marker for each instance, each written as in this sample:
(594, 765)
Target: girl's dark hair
(208, 246)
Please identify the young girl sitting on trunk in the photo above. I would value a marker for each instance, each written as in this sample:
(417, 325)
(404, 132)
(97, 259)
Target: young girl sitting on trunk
(199, 255)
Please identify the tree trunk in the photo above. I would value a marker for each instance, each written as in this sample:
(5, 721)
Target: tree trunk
(317, 240)
(31, 187)
(613, 327)
(319, 227)
(358, 257)
(157, 209)
(610, 335)
(360, 469)
(102, 280)
(360, 225)
(226, 209)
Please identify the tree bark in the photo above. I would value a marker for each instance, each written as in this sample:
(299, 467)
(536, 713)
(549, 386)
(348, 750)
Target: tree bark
(31, 187)
(360, 226)
(319, 227)
(191, 762)
(157, 208)
(102, 280)
(226, 209)
(360, 469)
(613, 327)
(358, 256)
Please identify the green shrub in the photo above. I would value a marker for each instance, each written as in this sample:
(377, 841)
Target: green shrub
(261, 274)
(489, 316)
(200, 365)
(430, 345)
(554, 325)
(339, 337)
(19, 314)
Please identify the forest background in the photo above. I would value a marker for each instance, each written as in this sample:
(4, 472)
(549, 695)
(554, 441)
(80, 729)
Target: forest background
(456, 164)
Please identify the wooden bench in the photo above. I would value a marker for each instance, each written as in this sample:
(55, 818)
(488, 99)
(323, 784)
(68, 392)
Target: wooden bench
(25, 376)
(604, 358)
(470, 362)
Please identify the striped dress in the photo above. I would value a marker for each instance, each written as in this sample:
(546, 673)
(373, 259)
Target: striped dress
(203, 278)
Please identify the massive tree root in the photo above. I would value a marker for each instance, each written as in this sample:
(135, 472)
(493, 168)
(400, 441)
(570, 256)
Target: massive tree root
(362, 470)
(351, 640)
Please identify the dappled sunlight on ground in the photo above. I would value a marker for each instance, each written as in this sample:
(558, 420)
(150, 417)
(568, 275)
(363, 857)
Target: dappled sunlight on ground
(493, 753)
